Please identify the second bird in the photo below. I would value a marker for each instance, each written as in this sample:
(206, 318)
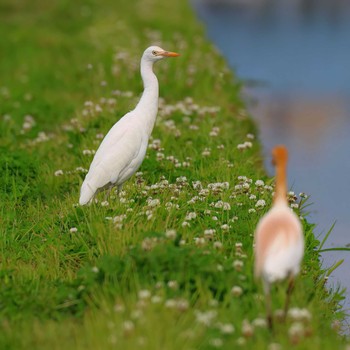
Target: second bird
(124, 147)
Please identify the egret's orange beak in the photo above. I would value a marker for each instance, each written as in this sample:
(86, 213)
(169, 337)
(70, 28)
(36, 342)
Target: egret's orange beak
(168, 54)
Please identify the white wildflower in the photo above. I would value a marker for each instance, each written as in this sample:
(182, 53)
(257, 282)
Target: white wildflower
(236, 291)
(58, 172)
(171, 234)
(205, 317)
(259, 183)
(144, 294)
(260, 203)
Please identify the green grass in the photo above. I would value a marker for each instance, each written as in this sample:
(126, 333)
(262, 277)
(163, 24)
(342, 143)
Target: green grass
(81, 290)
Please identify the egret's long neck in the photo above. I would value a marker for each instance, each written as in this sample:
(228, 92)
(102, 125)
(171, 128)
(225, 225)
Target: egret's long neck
(147, 107)
(281, 183)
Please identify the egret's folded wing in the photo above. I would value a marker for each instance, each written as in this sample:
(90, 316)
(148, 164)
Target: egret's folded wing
(112, 157)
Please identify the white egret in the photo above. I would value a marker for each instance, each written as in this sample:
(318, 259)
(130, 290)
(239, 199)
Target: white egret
(124, 147)
(279, 240)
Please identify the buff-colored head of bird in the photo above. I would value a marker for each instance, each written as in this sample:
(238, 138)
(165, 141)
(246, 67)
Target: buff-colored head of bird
(279, 155)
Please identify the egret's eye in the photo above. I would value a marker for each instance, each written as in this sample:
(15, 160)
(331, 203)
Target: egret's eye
(154, 53)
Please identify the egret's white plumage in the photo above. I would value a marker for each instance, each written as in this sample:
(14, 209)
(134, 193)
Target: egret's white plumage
(279, 240)
(124, 147)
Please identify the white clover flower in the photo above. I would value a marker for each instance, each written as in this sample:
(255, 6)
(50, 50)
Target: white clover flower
(204, 192)
(58, 172)
(128, 326)
(193, 200)
(216, 342)
(219, 267)
(294, 205)
(191, 216)
(237, 265)
(119, 218)
(219, 204)
(252, 210)
(104, 204)
(274, 346)
(213, 303)
(241, 341)
(217, 245)
(199, 241)
(225, 227)
(185, 224)
(246, 186)
(73, 230)
(247, 329)
(156, 299)
(182, 304)
(260, 203)
(259, 322)
(297, 314)
(206, 152)
(181, 179)
(95, 269)
(205, 317)
(170, 233)
(250, 136)
(153, 202)
(119, 308)
(98, 109)
(296, 331)
(173, 284)
(214, 218)
(81, 169)
(259, 183)
(226, 328)
(144, 294)
(197, 185)
(236, 291)
(226, 206)
(252, 196)
(238, 187)
(209, 233)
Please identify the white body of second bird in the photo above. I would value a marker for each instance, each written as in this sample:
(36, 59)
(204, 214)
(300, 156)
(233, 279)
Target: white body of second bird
(124, 147)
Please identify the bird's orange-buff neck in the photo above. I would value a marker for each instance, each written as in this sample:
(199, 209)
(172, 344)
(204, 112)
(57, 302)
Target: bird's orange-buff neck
(280, 159)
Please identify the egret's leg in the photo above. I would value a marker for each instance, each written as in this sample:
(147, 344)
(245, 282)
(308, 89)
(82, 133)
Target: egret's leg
(269, 318)
(108, 192)
(119, 189)
(289, 292)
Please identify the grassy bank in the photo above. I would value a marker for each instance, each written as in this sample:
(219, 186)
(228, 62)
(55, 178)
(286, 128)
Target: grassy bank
(169, 264)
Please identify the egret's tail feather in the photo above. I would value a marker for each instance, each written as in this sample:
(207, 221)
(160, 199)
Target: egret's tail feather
(86, 193)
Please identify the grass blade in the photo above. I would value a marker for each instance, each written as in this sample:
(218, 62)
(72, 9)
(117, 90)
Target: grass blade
(326, 237)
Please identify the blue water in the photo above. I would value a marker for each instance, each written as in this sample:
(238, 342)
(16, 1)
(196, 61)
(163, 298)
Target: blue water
(295, 58)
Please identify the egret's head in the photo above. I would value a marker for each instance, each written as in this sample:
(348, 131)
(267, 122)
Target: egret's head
(279, 155)
(156, 53)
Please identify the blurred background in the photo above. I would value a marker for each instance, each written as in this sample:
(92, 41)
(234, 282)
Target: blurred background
(294, 56)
